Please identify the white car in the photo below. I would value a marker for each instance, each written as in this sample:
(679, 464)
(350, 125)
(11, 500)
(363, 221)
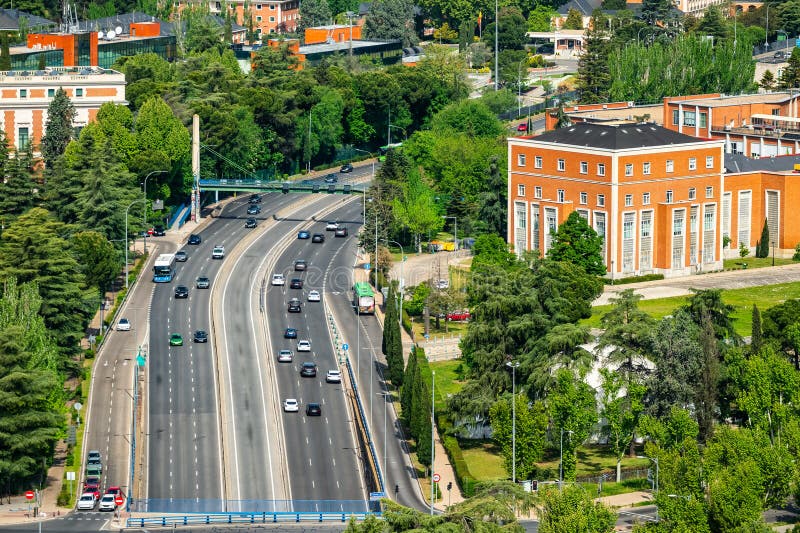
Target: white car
(441, 284)
(278, 279)
(87, 501)
(331, 226)
(285, 356)
(314, 296)
(290, 405)
(107, 503)
(333, 376)
(123, 325)
(303, 346)
(218, 252)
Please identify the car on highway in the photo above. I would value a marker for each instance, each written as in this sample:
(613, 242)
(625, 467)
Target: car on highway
(253, 210)
(176, 339)
(203, 282)
(159, 231)
(278, 279)
(107, 503)
(458, 316)
(304, 346)
(290, 405)
(200, 336)
(308, 370)
(331, 225)
(522, 127)
(779, 55)
(441, 284)
(92, 488)
(194, 239)
(303, 235)
(331, 178)
(313, 409)
(333, 376)
(123, 324)
(181, 256)
(87, 501)
(285, 356)
(346, 168)
(94, 455)
(218, 252)
(114, 491)
(255, 198)
(294, 306)
(318, 237)
(95, 462)
(300, 265)
(250, 223)
(296, 283)
(314, 296)
(94, 471)
(341, 231)
(181, 291)
(290, 333)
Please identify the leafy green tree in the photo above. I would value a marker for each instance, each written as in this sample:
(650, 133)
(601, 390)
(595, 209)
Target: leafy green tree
(511, 33)
(493, 202)
(573, 411)
(708, 304)
(561, 350)
(313, 13)
(573, 509)
(58, 128)
(762, 248)
(392, 341)
(781, 323)
(391, 20)
(621, 411)
(767, 80)
(540, 18)
(416, 208)
(654, 11)
(577, 243)
(470, 117)
(788, 14)
(713, 23)
(5, 52)
(627, 335)
(574, 20)
(593, 80)
(531, 429)
(201, 31)
(99, 259)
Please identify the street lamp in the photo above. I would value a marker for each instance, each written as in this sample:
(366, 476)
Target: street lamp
(371, 156)
(561, 459)
(637, 35)
(433, 434)
(386, 397)
(405, 135)
(519, 85)
(513, 365)
(786, 40)
(402, 260)
(455, 232)
(126, 236)
(145, 204)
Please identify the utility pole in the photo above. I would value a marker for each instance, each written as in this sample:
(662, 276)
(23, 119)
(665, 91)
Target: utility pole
(433, 435)
(496, 27)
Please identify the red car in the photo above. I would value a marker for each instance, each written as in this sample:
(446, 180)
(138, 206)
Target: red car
(92, 488)
(522, 127)
(458, 316)
(114, 491)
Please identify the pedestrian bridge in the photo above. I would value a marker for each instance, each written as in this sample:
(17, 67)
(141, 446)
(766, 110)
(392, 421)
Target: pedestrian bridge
(256, 185)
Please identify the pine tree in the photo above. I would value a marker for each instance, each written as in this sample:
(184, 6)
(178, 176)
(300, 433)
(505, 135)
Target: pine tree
(5, 54)
(396, 349)
(654, 11)
(59, 128)
(762, 249)
(593, 80)
(756, 339)
(16, 183)
(767, 80)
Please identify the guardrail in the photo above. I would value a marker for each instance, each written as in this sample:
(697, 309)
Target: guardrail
(243, 518)
(363, 416)
(282, 186)
(215, 506)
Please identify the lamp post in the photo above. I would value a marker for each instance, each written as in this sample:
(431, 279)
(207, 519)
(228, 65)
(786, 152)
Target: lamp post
(786, 40)
(371, 156)
(496, 27)
(386, 397)
(405, 135)
(513, 365)
(773, 253)
(519, 86)
(638, 43)
(145, 204)
(433, 434)
(402, 260)
(561, 459)
(126, 236)
(655, 460)
(455, 232)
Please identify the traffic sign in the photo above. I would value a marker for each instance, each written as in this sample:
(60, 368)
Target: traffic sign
(367, 266)
(118, 500)
(436, 478)
(29, 495)
(345, 347)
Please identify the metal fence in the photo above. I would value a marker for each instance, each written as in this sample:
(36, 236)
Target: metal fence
(239, 518)
(213, 506)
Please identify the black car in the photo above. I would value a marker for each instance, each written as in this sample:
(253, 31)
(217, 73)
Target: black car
(296, 283)
(308, 370)
(331, 178)
(159, 231)
(181, 256)
(194, 239)
(347, 167)
(255, 199)
(250, 223)
(318, 237)
(200, 336)
(294, 306)
(290, 333)
(253, 210)
(181, 291)
(300, 265)
(203, 282)
(313, 409)
(341, 231)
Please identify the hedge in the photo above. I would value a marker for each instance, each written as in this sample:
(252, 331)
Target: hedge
(464, 478)
(633, 279)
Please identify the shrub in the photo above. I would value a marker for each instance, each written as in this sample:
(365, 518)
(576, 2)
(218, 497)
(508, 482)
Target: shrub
(634, 279)
(796, 256)
(88, 354)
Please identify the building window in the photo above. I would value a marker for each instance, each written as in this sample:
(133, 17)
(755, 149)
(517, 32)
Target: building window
(272, 19)
(535, 226)
(677, 238)
(692, 193)
(703, 120)
(600, 229)
(675, 117)
(79, 92)
(584, 198)
(629, 169)
(258, 18)
(709, 192)
(628, 241)
(584, 214)
(709, 233)
(23, 138)
(520, 160)
(272, 7)
(646, 168)
(669, 197)
(551, 226)
(688, 118)
(537, 192)
(670, 165)
(646, 198)
(537, 161)
(584, 167)
(258, 7)
(646, 241)
(520, 228)
(709, 161)
(561, 165)
(744, 218)
(601, 200)
(677, 223)
(628, 200)
(51, 93)
(520, 190)
(601, 169)
(692, 163)
(23, 93)
(560, 195)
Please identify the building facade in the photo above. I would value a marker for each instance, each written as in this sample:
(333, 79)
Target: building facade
(269, 16)
(652, 194)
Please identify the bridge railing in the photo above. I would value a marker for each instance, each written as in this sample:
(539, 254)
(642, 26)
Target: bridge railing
(219, 506)
(241, 518)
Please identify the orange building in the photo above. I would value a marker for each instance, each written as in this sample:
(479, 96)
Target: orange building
(652, 194)
(332, 34)
(269, 16)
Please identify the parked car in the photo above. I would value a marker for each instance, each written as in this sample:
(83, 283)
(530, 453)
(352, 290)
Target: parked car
(290, 405)
(458, 316)
(123, 324)
(203, 282)
(181, 256)
(87, 501)
(318, 237)
(522, 127)
(313, 409)
(333, 376)
(159, 231)
(194, 239)
(441, 284)
(314, 296)
(347, 167)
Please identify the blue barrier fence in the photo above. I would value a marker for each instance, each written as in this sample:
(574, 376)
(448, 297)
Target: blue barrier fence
(216, 506)
(176, 214)
(185, 214)
(241, 518)
(366, 425)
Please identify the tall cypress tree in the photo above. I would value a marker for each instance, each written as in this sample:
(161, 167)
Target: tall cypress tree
(5, 53)
(762, 250)
(756, 339)
(407, 392)
(593, 80)
(59, 128)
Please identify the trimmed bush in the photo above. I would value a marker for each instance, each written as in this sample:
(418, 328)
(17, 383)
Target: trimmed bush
(634, 279)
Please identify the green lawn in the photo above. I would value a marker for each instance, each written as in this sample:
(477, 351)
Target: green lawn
(448, 380)
(484, 459)
(755, 262)
(742, 299)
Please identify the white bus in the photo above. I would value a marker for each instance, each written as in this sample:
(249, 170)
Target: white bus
(164, 269)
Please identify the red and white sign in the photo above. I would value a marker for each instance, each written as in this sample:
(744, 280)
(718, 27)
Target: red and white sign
(29, 495)
(119, 500)
(436, 478)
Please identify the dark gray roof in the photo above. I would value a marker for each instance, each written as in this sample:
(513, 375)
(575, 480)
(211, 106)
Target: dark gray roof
(9, 20)
(126, 19)
(617, 137)
(586, 7)
(735, 163)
